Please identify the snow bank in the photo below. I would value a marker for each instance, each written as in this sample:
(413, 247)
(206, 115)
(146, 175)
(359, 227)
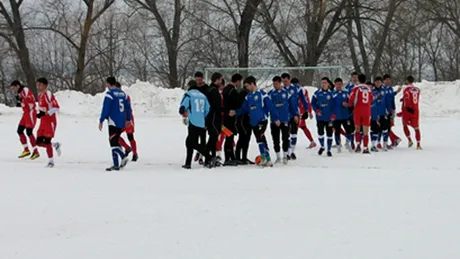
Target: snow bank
(438, 99)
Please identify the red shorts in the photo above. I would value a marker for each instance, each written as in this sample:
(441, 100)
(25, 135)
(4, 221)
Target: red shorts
(302, 123)
(410, 119)
(361, 120)
(28, 120)
(47, 129)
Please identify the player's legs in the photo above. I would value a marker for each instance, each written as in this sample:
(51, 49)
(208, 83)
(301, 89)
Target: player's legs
(229, 123)
(320, 125)
(415, 124)
(406, 122)
(366, 123)
(357, 123)
(124, 145)
(306, 131)
(192, 143)
(385, 126)
(275, 131)
(329, 133)
(23, 140)
(375, 131)
(337, 125)
(117, 152)
(285, 133)
(259, 132)
(32, 140)
(213, 134)
(294, 128)
(246, 142)
(220, 143)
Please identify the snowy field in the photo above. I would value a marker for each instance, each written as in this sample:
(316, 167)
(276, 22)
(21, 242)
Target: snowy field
(401, 204)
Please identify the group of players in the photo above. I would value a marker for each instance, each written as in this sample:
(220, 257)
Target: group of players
(357, 110)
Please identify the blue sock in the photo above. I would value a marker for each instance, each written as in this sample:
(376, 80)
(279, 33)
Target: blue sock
(337, 138)
(374, 137)
(267, 151)
(261, 148)
(380, 137)
(351, 138)
(385, 136)
(329, 143)
(321, 140)
(293, 142)
(116, 162)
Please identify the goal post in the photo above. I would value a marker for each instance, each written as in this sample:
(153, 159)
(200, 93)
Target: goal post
(308, 76)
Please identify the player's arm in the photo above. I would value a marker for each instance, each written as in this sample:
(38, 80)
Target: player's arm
(244, 107)
(272, 109)
(314, 103)
(207, 107)
(351, 100)
(54, 106)
(108, 99)
(185, 104)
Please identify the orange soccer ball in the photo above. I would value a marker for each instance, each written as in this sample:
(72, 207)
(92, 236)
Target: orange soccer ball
(258, 159)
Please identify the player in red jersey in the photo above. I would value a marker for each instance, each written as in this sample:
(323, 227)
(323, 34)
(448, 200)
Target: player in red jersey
(302, 123)
(48, 107)
(410, 111)
(129, 130)
(361, 99)
(28, 120)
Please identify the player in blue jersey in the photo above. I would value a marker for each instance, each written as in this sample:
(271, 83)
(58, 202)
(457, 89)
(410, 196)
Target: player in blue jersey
(379, 115)
(280, 98)
(117, 111)
(322, 103)
(392, 107)
(353, 82)
(296, 95)
(258, 105)
(341, 111)
(195, 107)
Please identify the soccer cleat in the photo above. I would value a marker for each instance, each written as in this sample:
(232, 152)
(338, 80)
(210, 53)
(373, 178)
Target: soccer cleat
(50, 165)
(312, 145)
(128, 151)
(339, 149)
(229, 163)
(112, 168)
(35, 156)
(24, 154)
(187, 167)
(385, 147)
(419, 147)
(135, 157)
(329, 153)
(396, 143)
(293, 156)
(379, 146)
(358, 149)
(366, 151)
(201, 161)
(374, 149)
(57, 147)
(248, 162)
(411, 143)
(388, 146)
(353, 146)
(285, 160)
(197, 157)
(320, 151)
(218, 159)
(124, 161)
(278, 160)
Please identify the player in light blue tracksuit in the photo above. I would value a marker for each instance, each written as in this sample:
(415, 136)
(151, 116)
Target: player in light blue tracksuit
(259, 105)
(296, 97)
(322, 103)
(280, 98)
(116, 109)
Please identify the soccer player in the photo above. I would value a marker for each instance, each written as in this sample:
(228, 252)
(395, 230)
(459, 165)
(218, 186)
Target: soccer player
(379, 115)
(196, 106)
(116, 110)
(295, 96)
(411, 112)
(244, 131)
(257, 104)
(222, 136)
(306, 113)
(322, 103)
(129, 132)
(391, 105)
(342, 115)
(231, 104)
(203, 88)
(48, 107)
(26, 100)
(360, 100)
(353, 82)
(280, 98)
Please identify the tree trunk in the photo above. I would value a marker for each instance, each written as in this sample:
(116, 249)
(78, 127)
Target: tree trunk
(244, 31)
(81, 51)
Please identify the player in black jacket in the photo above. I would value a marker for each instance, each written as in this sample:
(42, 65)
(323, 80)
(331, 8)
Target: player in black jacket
(244, 130)
(231, 104)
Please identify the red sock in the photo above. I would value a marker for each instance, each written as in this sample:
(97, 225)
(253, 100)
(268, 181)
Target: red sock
(418, 135)
(33, 142)
(307, 133)
(123, 143)
(134, 146)
(358, 137)
(49, 150)
(393, 136)
(343, 132)
(366, 140)
(406, 131)
(23, 140)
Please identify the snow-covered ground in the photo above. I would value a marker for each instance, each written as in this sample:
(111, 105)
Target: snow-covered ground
(400, 204)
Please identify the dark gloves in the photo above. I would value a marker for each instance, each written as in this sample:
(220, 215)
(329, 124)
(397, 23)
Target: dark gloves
(410, 110)
(40, 114)
(305, 116)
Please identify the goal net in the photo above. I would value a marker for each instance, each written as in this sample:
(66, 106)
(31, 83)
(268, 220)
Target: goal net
(308, 76)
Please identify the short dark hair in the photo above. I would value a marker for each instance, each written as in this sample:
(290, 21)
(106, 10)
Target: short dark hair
(118, 85)
(410, 79)
(276, 79)
(354, 73)
(285, 75)
(236, 78)
(295, 80)
(15, 83)
(386, 76)
(250, 80)
(191, 84)
(215, 76)
(378, 79)
(222, 81)
(42, 80)
(362, 78)
(369, 83)
(111, 80)
(338, 79)
(199, 74)
(325, 78)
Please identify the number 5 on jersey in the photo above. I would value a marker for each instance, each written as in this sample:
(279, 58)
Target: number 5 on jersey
(121, 105)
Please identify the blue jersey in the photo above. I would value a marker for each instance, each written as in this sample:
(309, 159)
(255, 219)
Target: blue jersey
(379, 103)
(197, 106)
(116, 108)
(296, 94)
(349, 87)
(341, 112)
(322, 102)
(258, 105)
(390, 98)
(280, 98)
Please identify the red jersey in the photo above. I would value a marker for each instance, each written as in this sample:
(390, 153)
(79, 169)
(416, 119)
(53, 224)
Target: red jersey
(411, 98)
(361, 99)
(302, 109)
(27, 100)
(48, 104)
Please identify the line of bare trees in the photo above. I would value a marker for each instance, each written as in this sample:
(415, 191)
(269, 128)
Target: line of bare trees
(77, 43)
